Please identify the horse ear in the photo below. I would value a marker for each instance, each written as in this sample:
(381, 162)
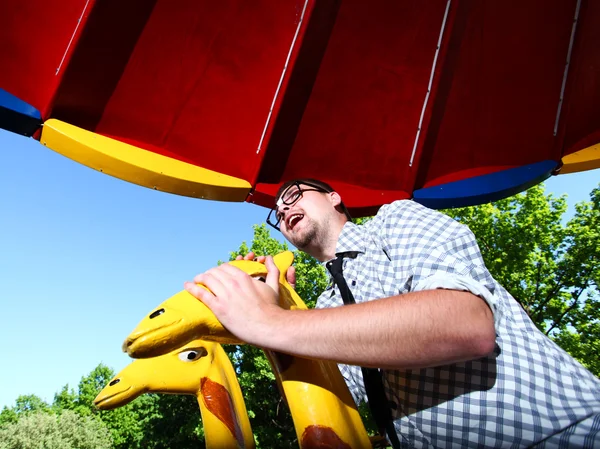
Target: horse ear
(283, 261)
(288, 298)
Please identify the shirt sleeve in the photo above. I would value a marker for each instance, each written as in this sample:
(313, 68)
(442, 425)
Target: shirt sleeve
(458, 282)
(456, 265)
(440, 253)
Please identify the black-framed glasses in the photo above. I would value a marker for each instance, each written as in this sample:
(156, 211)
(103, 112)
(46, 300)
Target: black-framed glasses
(290, 197)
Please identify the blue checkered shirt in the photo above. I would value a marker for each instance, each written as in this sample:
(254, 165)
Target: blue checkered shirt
(529, 392)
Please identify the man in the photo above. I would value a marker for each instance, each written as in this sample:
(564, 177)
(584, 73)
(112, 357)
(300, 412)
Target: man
(462, 363)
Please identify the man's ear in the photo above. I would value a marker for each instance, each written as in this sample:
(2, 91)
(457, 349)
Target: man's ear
(335, 199)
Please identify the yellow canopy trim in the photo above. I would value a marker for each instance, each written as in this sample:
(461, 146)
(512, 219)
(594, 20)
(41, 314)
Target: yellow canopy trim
(582, 160)
(139, 166)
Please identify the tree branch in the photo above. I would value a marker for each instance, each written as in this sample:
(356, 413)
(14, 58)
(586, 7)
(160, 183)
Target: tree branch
(569, 309)
(537, 282)
(487, 247)
(549, 296)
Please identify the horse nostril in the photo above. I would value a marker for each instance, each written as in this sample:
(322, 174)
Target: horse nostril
(114, 382)
(157, 313)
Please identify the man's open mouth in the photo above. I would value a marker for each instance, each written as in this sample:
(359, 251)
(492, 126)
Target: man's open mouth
(293, 220)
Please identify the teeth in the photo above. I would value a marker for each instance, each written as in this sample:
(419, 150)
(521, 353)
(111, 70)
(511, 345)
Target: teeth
(294, 218)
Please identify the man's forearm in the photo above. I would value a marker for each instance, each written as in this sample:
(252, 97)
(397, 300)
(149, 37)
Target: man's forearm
(415, 330)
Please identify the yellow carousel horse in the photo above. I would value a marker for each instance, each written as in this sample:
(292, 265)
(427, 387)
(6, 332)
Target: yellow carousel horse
(199, 368)
(321, 406)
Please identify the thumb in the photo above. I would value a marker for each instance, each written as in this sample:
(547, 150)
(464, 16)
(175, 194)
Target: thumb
(290, 275)
(272, 274)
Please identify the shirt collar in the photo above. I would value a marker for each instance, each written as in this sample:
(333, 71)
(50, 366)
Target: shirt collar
(352, 238)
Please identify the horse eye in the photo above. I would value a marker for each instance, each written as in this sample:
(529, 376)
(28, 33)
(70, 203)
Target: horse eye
(192, 354)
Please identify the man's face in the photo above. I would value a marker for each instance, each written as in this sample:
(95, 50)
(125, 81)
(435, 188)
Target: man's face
(306, 215)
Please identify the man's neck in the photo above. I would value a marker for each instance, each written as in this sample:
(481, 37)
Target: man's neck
(325, 250)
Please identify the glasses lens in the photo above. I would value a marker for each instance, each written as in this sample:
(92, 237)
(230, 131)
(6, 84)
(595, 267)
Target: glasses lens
(292, 195)
(274, 219)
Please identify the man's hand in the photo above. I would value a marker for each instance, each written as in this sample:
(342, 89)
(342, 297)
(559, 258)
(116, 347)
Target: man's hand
(247, 307)
(290, 274)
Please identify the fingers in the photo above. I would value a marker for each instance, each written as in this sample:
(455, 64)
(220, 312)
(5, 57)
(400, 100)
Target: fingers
(214, 281)
(220, 280)
(290, 275)
(251, 256)
(272, 274)
(229, 270)
(200, 293)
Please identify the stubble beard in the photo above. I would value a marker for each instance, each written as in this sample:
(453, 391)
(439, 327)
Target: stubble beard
(313, 237)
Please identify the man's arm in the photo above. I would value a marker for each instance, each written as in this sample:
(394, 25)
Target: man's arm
(414, 330)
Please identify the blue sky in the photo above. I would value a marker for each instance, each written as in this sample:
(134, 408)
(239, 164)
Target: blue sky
(85, 256)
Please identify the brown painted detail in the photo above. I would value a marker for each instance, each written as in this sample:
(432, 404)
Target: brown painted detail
(284, 361)
(218, 401)
(322, 437)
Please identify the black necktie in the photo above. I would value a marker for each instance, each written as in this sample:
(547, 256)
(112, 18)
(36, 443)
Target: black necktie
(378, 403)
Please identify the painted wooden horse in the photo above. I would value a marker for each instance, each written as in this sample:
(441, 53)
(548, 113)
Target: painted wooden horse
(320, 403)
(200, 368)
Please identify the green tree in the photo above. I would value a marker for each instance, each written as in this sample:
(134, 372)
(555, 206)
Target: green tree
(68, 430)
(30, 403)
(170, 421)
(65, 399)
(550, 267)
(124, 424)
(8, 416)
(24, 404)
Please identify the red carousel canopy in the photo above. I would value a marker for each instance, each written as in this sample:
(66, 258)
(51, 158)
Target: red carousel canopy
(452, 102)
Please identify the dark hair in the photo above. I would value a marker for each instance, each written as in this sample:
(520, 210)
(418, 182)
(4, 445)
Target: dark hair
(323, 186)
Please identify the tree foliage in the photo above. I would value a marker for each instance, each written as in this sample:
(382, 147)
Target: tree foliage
(549, 266)
(67, 430)
(169, 421)
(151, 421)
(123, 423)
(24, 404)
